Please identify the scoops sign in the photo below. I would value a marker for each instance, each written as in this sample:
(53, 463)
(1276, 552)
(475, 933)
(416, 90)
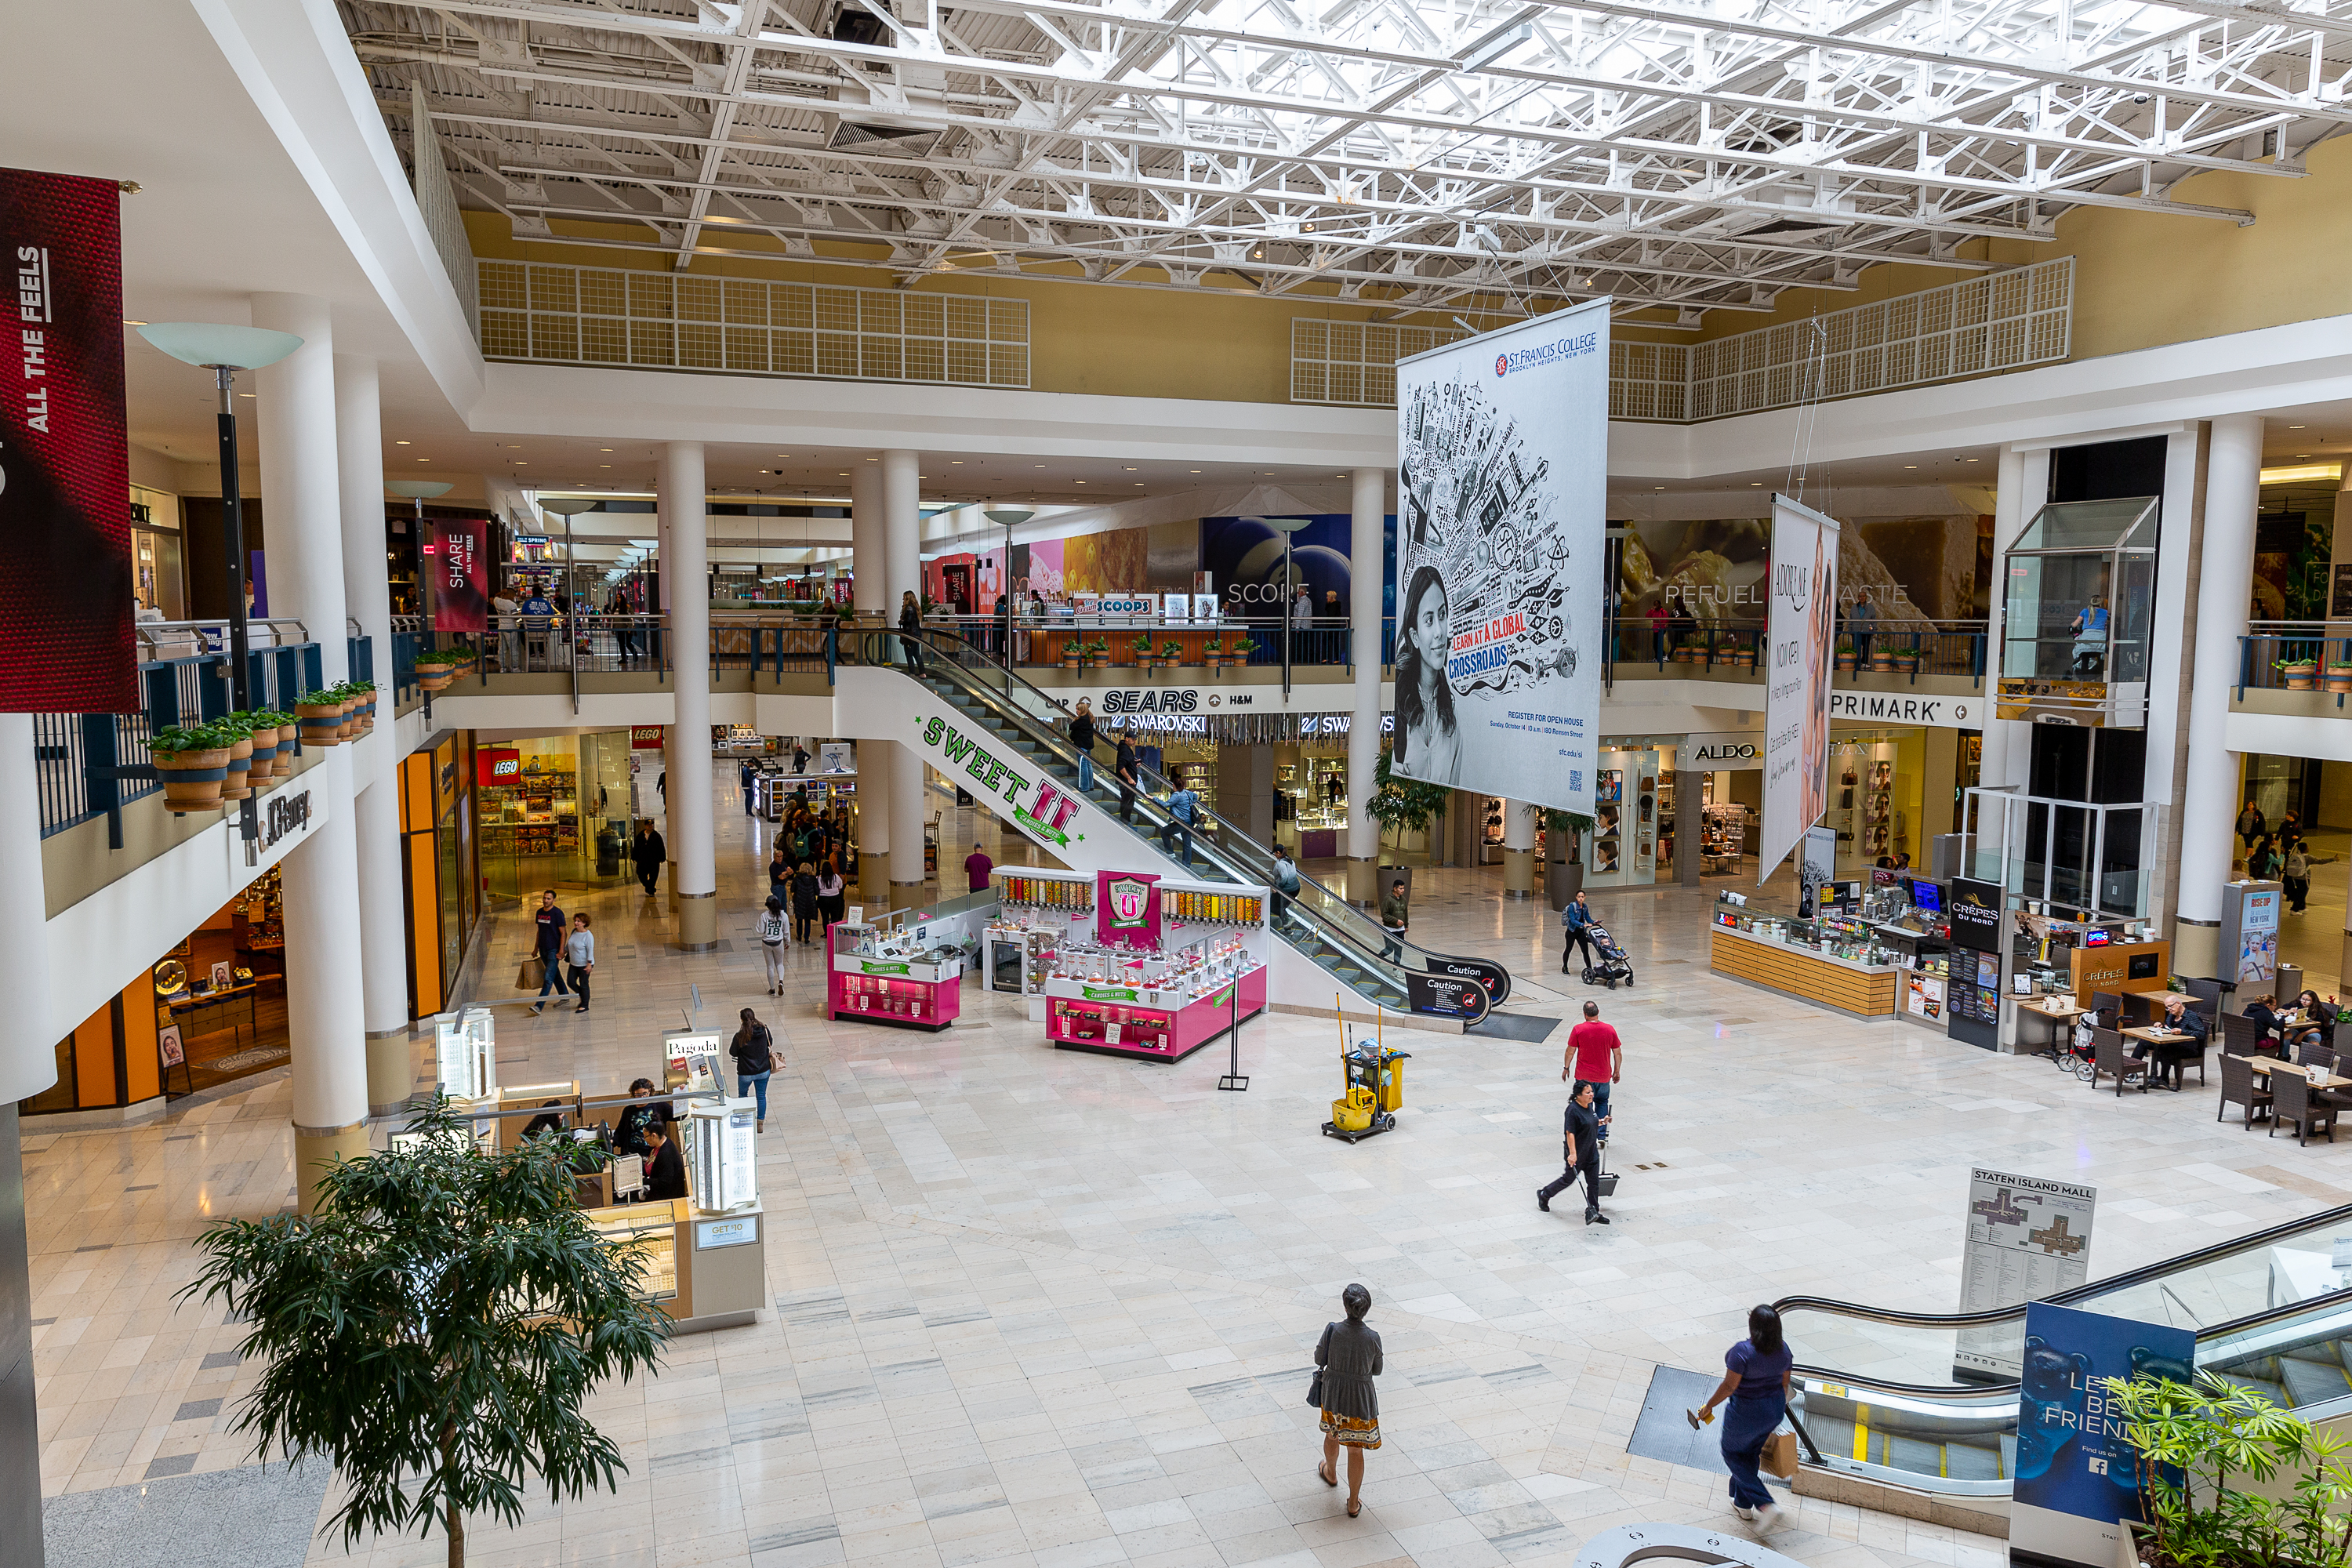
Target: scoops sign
(498, 765)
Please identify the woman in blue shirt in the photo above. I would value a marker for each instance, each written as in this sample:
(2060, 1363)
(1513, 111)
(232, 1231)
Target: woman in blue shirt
(1755, 1383)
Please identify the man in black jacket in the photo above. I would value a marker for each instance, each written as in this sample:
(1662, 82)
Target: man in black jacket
(647, 852)
(1581, 1143)
(910, 630)
(1130, 779)
(1082, 736)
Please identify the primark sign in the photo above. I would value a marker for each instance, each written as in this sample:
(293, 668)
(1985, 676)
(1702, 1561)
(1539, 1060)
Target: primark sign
(1888, 708)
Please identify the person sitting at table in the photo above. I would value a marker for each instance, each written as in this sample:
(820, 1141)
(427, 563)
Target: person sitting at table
(2164, 1060)
(2268, 1019)
(2320, 1021)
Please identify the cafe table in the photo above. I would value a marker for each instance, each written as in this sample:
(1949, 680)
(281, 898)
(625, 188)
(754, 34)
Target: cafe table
(2058, 1019)
(2159, 1040)
(2262, 1066)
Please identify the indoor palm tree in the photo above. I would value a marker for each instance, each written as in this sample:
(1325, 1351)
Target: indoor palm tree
(432, 1328)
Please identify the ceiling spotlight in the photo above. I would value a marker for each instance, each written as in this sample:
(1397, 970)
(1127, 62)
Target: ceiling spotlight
(402, 443)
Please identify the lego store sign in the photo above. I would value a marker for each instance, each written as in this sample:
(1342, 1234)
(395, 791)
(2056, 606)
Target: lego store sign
(647, 737)
(498, 765)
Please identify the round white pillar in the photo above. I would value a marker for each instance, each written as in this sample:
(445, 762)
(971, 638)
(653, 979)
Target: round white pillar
(1367, 565)
(1519, 849)
(870, 572)
(902, 574)
(877, 762)
(2209, 805)
(688, 573)
(302, 497)
(367, 598)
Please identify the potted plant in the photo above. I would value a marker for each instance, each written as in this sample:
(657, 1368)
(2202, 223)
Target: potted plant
(365, 691)
(1845, 654)
(1238, 653)
(1685, 652)
(1098, 653)
(1744, 656)
(436, 669)
(2211, 1458)
(261, 727)
(1171, 654)
(1906, 660)
(2301, 673)
(2338, 677)
(1072, 652)
(321, 714)
(238, 784)
(1403, 805)
(1882, 660)
(191, 764)
(1143, 650)
(1564, 834)
(1213, 653)
(434, 1329)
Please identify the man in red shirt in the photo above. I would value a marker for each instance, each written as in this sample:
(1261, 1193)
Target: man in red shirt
(1596, 1055)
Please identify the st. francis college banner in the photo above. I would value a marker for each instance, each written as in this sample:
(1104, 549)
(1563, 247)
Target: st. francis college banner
(1502, 479)
(1804, 585)
(65, 465)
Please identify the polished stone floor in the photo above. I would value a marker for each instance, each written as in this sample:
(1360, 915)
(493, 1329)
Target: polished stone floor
(1049, 1308)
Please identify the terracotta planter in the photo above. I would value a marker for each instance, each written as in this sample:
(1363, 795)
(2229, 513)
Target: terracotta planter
(1070, 663)
(238, 784)
(1745, 658)
(1845, 662)
(2338, 679)
(434, 677)
(322, 723)
(1686, 656)
(1882, 663)
(265, 756)
(192, 780)
(367, 712)
(2300, 677)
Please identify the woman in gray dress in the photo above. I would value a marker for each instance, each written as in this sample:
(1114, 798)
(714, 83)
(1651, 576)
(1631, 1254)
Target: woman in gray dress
(1349, 1355)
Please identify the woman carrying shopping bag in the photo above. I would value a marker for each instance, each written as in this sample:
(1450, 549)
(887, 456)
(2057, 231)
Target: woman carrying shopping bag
(1756, 1385)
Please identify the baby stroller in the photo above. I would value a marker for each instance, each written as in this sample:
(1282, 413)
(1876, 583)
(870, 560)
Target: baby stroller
(1611, 964)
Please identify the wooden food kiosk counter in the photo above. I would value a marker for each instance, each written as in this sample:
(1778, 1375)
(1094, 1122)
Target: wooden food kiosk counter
(1825, 979)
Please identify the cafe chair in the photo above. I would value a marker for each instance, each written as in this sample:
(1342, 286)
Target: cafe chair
(2311, 1053)
(2142, 1009)
(2108, 1060)
(2238, 1088)
(2240, 1035)
(2107, 1005)
(2294, 1101)
(2206, 990)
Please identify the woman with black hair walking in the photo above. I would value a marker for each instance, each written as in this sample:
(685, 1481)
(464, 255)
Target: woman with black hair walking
(1348, 1358)
(1756, 1386)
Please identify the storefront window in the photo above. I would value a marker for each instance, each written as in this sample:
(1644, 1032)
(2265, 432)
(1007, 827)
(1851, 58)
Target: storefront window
(554, 811)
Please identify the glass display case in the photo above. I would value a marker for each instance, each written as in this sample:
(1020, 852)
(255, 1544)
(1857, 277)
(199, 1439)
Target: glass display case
(651, 1231)
(2076, 620)
(1020, 957)
(465, 1054)
(1159, 1005)
(722, 1155)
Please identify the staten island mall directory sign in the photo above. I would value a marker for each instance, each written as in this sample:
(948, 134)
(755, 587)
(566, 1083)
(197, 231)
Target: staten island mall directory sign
(1502, 479)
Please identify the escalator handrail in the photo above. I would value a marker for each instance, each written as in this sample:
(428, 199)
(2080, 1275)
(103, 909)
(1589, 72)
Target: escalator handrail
(1371, 938)
(2088, 1290)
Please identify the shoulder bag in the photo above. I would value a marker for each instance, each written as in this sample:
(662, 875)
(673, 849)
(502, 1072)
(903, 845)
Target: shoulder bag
(1315, 1384)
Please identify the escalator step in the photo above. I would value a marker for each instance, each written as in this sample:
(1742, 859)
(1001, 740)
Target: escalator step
(1969, 1462)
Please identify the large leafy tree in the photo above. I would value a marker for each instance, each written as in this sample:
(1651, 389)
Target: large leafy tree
(432, 1328)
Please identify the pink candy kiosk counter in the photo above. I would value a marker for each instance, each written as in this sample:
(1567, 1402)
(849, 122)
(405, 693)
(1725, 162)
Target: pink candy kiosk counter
(885, 974)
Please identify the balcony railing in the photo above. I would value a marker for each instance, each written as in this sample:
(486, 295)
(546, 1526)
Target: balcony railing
(1735, 651)
(2272, 657)
(1997, 321)
(80, 759)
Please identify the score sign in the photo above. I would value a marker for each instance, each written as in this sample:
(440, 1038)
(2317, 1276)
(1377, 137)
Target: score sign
(498, 765)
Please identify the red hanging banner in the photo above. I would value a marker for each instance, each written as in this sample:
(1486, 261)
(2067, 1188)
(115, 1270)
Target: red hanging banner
(65, 465)
(460, 602)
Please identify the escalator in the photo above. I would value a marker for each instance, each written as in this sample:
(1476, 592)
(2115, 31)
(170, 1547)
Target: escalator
(1876, 1393)
(982, 699)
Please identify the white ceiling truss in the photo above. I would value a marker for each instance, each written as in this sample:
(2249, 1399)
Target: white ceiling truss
(1445, 154)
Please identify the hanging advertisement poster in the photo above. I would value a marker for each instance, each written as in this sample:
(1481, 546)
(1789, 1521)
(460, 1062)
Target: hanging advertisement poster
(460, 602)
(1803, 598)
(65, 461)
(2027, 1237)
(2078, 1484)
(1501, 562)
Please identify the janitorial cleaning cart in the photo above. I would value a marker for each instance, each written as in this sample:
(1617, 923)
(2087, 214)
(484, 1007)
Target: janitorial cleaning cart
(1372, 1078)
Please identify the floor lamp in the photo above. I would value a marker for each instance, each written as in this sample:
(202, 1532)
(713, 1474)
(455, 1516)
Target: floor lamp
(224, 350)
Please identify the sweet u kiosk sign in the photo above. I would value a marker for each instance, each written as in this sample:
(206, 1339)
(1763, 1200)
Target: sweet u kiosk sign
(1127, 909)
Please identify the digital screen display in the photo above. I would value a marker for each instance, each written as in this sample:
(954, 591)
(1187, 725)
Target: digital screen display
(1928, 896)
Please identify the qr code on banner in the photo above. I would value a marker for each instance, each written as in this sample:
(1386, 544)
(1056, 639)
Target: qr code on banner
(1575, 780)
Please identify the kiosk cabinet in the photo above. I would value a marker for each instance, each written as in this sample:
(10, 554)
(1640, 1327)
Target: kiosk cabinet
(1161, 1016)
(877, 976)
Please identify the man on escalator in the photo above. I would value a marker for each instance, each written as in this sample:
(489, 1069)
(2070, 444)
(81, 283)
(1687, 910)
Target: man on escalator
(1286, 884)
(1395, 919)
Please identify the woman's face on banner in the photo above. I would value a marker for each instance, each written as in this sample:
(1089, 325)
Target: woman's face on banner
(1429, 624)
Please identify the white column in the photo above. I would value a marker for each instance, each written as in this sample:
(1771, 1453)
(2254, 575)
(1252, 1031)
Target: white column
(2209, 805)
(367, 594)
(2173, 620)
(2007, 753)
(28, 1036)
(878, 761)
(301, 499)
(1519, 849)
(686, 571)
(902, 574)
(869, 572)
(1367, 565)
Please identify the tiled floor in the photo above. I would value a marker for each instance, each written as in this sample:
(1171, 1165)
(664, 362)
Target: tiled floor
(1042, 1306)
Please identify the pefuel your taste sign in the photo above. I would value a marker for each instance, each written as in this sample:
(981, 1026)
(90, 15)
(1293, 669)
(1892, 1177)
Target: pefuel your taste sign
(1039, 806)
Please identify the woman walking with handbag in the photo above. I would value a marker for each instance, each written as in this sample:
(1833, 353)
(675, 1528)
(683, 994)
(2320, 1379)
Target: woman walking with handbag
(1347, 1359)
(1755, 1383)
(753, 1049)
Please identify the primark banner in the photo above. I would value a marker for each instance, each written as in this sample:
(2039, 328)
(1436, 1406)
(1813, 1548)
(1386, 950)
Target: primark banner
(65, 460)
(1803, 606)
(1502, 478)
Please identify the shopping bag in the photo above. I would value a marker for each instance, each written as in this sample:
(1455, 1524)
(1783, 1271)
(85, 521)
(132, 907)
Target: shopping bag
(1781, 1454)
(532, 975)
(1605, 1183)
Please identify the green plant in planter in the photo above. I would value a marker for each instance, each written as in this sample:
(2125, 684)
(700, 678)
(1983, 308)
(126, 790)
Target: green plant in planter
(1573, 827)
(319, 700)
(1241, 647)
(1406, 805)
(2195, 1448)
(1172, 650)
(1073, 648)
(1144, 647)
(212, 736)
(436, 657)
